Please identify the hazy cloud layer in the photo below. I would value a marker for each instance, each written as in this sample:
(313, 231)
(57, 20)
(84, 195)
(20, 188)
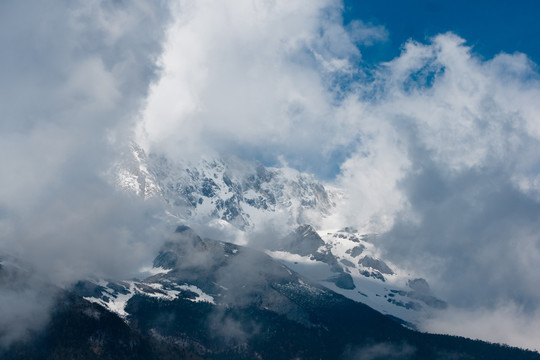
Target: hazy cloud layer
(73, 76)
(506, 323)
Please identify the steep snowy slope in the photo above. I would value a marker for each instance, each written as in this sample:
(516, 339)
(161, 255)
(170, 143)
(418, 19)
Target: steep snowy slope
(349, 263)
(239, 193)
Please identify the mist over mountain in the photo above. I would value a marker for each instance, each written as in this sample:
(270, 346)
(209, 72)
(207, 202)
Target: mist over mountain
(207, 299)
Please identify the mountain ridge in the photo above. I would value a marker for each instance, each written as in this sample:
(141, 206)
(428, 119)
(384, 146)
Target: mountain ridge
(269, 312)
(236, 191)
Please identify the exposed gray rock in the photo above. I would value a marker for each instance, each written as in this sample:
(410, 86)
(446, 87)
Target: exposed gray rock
(373, 274)
(223, 189)
(411, 305)
(87, 288)
(356, 251)
(375, 264)
(347, 263)
(119, 287)
(185, 249)
(349, 229)
(303, 241)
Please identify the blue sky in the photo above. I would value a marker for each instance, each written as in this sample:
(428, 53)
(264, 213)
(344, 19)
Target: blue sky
(490, 26)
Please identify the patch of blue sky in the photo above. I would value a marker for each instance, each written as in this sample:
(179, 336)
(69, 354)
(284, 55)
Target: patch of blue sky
(489, 26)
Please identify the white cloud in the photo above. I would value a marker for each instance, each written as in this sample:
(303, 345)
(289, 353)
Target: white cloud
(366, 34)
(247, 74)
(467, 129)
(70, 79)
(370, 178)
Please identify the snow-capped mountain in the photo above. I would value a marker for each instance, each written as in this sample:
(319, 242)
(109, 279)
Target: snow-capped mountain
(191, 268)
(341, 261)
(236, 192)
(349, 263)
(239, 195)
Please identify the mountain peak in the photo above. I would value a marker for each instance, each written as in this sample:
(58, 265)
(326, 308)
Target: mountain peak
(239, 192)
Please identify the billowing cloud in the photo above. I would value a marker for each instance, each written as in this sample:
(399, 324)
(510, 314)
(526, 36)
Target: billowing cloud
(453, 187)
(250, 77)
